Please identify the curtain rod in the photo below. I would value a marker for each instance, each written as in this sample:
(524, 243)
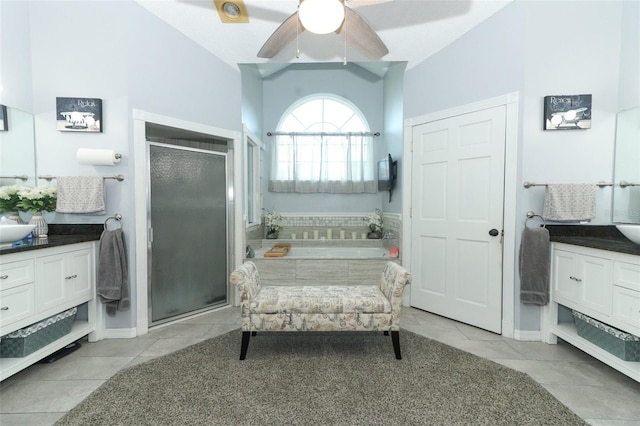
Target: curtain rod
(323, 134)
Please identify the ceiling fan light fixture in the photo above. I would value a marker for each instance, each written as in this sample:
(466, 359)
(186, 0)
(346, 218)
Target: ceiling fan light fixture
(321, 16)
(232, 11)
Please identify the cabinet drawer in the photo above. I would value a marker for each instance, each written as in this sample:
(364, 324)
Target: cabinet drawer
(13, 274)
(626, 275)
(16, 304)
(626, 307)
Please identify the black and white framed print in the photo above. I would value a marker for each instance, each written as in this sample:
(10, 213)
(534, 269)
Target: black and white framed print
(79, 115)
(567, 112)
(4, 119)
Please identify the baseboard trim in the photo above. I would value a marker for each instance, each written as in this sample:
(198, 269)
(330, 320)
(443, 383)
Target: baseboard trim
(119, 333)
(527, 336)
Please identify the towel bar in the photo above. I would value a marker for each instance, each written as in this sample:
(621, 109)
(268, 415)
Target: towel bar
(528, 185)
(21, 177)
(119, 178)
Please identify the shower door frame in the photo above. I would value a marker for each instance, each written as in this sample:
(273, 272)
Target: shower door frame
(228, 229)
(236, 207)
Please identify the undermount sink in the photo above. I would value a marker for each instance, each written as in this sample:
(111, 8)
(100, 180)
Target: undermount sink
(11, 233)
(632, 232)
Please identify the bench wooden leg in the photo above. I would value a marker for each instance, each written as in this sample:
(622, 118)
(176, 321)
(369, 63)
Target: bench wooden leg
(386, 332)
(395, 338)
(253, 333)
(244, 345)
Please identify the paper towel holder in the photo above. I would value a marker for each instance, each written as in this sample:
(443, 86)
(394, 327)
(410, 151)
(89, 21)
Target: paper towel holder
(98, 157)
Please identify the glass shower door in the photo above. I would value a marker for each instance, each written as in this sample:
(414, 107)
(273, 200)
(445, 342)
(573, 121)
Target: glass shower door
(188, 219)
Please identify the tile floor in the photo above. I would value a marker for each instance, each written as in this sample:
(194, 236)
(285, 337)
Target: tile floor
(41, 394)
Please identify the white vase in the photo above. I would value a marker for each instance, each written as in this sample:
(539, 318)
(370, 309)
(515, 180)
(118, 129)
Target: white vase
(42, 229)
(14, 216)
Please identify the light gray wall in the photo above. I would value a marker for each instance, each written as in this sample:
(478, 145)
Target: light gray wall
(629, 88)
(130, 59)
(537, 49)
(394, 130)
(15, 56)
(352, 82)
(251, 98)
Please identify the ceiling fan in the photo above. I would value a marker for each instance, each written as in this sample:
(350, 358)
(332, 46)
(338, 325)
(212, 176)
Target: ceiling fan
(323, 17)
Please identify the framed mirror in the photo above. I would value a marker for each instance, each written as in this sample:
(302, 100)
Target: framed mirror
(17, 149)
(626, 184)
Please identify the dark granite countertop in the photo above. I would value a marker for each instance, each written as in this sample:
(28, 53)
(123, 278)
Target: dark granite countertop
(603, 237)
(59, 235)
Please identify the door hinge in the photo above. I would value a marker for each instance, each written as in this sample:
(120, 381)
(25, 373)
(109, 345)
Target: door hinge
(150, 235)
(410, 212)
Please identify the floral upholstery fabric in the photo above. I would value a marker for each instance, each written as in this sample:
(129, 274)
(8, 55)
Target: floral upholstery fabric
(319, 300)
(320, 308)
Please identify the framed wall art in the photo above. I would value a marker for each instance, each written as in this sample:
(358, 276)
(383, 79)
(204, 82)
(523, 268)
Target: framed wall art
(4, 119)
(567, 112)
(79, 115)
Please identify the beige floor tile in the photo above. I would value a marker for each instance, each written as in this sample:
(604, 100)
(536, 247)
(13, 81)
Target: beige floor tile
(35, 419)
(46, 396)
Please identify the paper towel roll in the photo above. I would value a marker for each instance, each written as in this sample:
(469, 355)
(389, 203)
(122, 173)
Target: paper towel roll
(98, 157)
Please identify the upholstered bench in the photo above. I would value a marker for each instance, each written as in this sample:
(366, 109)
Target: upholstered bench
(320, 308)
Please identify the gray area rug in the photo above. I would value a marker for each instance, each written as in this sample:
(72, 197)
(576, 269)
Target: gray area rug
(339, 378)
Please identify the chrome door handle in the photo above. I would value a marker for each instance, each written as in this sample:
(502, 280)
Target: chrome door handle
(4, 308)
(576, 279)
(4, 277)
(70, 277)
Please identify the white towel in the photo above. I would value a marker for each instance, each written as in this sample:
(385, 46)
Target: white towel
(80, 194)
(570, 202)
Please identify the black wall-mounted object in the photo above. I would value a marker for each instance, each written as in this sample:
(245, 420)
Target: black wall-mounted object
(387, 174)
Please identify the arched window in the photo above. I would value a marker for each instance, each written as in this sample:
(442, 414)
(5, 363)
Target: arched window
(322, 144)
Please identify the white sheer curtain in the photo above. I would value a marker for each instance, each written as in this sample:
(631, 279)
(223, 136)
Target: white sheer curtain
(341, 164)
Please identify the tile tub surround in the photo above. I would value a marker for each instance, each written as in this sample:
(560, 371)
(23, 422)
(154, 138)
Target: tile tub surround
(299, 224)
(283, 271)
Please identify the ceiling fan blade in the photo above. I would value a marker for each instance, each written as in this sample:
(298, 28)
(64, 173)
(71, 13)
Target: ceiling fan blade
(366, 2)
(360, 34)
(281, 37)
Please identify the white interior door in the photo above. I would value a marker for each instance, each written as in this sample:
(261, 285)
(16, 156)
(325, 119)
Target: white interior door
(457, 217)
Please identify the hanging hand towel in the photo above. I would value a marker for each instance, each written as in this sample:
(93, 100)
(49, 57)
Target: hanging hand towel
(113, 274)
(80, 194)
(535, 262)
(570, 202)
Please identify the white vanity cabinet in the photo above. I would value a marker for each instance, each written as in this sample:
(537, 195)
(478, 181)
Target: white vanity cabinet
(602, 284)
(37, 284)
(582, 280)
(69, 279)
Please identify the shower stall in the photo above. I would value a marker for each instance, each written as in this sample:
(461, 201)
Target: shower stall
(189, 223)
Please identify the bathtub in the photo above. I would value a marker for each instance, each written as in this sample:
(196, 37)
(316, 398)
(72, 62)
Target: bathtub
(323, 266)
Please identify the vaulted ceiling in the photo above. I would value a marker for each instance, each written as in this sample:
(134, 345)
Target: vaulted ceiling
(412, 30)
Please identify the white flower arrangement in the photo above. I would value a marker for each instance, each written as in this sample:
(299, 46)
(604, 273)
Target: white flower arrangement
(38, 199)
(374, 220)
(9, 198)
(272, 221)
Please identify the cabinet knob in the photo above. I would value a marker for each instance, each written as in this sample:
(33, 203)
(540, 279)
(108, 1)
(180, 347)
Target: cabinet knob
(4, 277)
(576, 279)
(4, 308)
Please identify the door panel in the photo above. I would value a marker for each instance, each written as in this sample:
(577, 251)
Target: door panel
(457, 198)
